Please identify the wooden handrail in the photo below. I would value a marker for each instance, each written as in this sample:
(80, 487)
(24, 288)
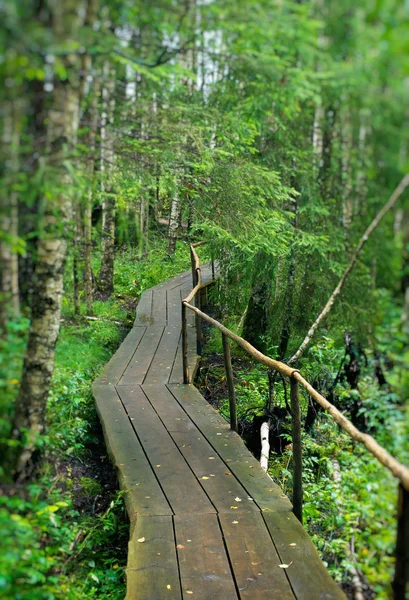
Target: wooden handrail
(400, 471)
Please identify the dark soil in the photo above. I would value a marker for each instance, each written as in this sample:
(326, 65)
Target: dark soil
(92, 481)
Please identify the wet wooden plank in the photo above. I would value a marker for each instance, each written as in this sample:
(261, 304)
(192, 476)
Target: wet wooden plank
(229, 445)
(161, 366)
(180, 486)
(174, 307)
(254, 558)
(144, 309)
(204, 568)
(143, 492)
(115, 368)
(152, 571)
(224, 490)
(159, 306)
(138, 366)
(307, 574)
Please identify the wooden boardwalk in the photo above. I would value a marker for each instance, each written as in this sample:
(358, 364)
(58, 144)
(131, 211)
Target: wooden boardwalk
(206, 521)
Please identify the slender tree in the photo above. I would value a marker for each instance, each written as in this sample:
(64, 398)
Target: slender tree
(62, 123)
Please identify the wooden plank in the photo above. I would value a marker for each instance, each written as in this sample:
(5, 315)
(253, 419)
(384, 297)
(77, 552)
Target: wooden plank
(204, 568)
(225, 492)
(307, 574)
(138, 367)
(143, 492)
(144, 309)
(182, 489)
(159, 306)
(254, 558)
(115, 368)
(174, 308)
(152, 572)
(230, 447)
(161, 366)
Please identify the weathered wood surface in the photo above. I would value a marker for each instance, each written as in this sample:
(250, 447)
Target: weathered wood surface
(206, 521)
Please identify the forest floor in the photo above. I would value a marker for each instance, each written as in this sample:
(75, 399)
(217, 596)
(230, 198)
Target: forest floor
(65, 533)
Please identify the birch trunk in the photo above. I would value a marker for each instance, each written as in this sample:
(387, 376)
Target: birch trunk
(9, 288)
(88, 282)
(62, 125)
(175, 210)
(106, 274)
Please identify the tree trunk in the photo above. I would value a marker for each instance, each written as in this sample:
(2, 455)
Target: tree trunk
(62, 125)
(324, 176)
(256, 320)
(289, 295)
(88, 282)
(9, 290)
(175, 210)
(106, 274)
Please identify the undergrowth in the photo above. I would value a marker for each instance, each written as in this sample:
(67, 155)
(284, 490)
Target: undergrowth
(64, 535)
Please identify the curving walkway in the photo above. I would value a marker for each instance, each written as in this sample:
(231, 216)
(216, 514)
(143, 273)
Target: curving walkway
(206, 522)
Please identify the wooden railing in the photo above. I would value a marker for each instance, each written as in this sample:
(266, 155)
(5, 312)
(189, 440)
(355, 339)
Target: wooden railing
(401, 472)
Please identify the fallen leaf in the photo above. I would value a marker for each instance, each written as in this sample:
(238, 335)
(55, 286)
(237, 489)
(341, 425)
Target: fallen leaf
(237, 499)
(158, 465)
(205, 477)
(292, 544)
(227, 473)
(211, 457)
(250, 579)
(234, 522)
(189, 592)
(168, 587)
(141, 540)
(284, 566)
(233, 507)
(158, 554)
(179, 547)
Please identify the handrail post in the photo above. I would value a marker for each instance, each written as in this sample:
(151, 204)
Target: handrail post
(193, 265)
(401, 580)
(198, 322)
(297, 449)
(185, 361)
(230, 383)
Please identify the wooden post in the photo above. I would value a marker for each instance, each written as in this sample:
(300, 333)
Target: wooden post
(230, 383)
(297, 449)
(198, 323)
(401, 581)
(213, 276)
(185, 361)
(194, 274)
